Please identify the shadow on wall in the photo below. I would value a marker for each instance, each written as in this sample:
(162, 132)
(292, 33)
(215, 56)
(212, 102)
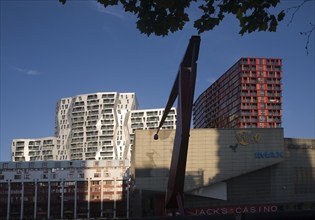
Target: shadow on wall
(148, 194)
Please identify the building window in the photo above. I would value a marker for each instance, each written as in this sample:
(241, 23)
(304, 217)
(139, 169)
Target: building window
(17, 177)
(108, 182)
(5, 166)
(31, 165)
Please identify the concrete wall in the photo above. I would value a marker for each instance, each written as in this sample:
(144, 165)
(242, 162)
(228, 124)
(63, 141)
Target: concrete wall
(214, 155)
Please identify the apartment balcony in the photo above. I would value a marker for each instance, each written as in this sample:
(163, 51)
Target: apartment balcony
(93, 107)
(92, 138)
(77, 156)
(90, 128)
(48, 157)
(93, 96)
(107, 127)
(48, 147)
(107, 132)
(108, 95)
(107, 111)
(77, 114)
(108, 149)
(19, 158)
(77, 140)
(77, 135)
(137, 115)
(78, 150)
(91, 118)
(92, 144)
(270, 94)
(152, 124)
(108, 101)
(19, 148)
(153, 119)
(91, 123)
(93, 113)
(109, 142)
(108, 106)
(108, 121)
(90, 155)
(91, 133)
(155, 113)
(77, 124)
(78, 109)
(133, 120)
(47, 152)
(137, 125)
(91, 149)
(76, 145)
(35, 158)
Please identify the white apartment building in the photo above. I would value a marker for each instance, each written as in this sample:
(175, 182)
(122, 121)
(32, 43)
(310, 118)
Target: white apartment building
(47, 148)
(96, 126)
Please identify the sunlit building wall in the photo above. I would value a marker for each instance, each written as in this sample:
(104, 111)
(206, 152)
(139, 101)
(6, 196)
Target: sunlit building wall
(149, 119)
(47, 148)
(94, 126)
(64, 189)
(248, 95)
(98, 126)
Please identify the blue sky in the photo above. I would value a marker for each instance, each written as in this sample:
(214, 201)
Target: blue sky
(50, 51)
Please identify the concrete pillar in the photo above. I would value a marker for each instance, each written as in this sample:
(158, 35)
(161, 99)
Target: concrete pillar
(9, 200)
(89, 194)
(35, 200)
(102, 197)
(22, 201)
(115, 196)
(48, 203)
(75, 199)
(62, 198)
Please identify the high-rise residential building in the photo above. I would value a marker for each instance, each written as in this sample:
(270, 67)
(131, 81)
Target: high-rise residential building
(94, 126)
(97, 126)
(248, 95)
(47, 148)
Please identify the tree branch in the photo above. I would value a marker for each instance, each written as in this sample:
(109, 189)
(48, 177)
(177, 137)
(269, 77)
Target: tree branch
(295, 8)
(308, 34)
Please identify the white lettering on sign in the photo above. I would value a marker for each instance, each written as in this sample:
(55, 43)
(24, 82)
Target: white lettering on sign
(233, 210)
(276, 154)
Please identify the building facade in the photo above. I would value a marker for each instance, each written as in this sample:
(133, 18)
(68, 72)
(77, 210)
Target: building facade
(64, 189)
(94, 126)
(229, 172)
(248, 95)
(48, 148)
(97, 126)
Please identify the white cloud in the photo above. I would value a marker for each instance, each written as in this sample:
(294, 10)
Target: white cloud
(30, 72)
(115, 11)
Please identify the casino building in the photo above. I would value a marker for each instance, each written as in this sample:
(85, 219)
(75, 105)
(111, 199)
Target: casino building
(228, 172)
